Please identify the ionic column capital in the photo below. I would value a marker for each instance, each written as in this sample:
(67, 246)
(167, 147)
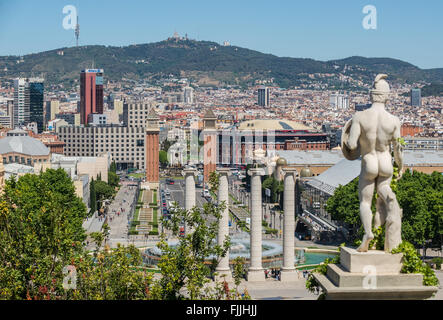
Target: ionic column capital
(256, 172)
(290, 171)
(224, 171)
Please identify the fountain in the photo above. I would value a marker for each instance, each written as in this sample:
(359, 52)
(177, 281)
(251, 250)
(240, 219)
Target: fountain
(272, 253)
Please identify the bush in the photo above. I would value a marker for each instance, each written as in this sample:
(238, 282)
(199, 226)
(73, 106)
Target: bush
(153, 233)
(133, 232)
(437, 261)
(413, 264)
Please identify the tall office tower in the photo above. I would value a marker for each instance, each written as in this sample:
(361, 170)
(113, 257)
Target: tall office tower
(21, 101)
(188, 95)
(264, 96)
(91, 93)
(416, 97)
(36, 98)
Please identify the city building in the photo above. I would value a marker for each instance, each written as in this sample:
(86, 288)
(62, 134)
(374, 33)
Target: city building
(96, 119)
(188, 95)
(125, 143)
(423, 143)
(411, 130)
(176, 134)
(21, 102)
(91, 93)
(339, 101)
(416, 97)
(36, 106)
(54, 124)
(52, 108)
(263, 95)
(18, 147)
(28, 102)
(6, 121)
(237, 144)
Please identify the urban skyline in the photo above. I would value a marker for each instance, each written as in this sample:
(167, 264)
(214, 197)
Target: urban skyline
(201, 170)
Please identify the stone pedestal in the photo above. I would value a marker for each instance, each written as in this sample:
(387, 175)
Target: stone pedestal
(256, 275)
(255, 271)
(223, 226)
(287, 275)
(372, 275)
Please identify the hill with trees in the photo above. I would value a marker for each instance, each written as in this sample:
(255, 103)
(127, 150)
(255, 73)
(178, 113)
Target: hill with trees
(229, 65)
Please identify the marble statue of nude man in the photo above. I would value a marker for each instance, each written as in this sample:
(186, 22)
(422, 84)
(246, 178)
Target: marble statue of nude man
(369, 134)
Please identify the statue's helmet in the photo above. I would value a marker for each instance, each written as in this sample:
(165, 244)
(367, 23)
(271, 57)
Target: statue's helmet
(380, 90)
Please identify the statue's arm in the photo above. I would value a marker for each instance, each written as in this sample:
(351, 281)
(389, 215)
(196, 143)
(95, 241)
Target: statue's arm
(398, 150)
(354, 134)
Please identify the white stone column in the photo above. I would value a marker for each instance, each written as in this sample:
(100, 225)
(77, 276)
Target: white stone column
(256, 272)
(224, 272)
(189, 174)
(288, 270)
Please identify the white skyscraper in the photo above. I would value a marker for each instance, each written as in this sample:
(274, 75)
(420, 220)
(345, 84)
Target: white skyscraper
(188, 95)
(21, 101)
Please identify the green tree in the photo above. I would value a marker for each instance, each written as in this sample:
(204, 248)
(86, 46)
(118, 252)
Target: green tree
(163, 157)
(113, 167)
(214, 181)
(103, 190)
(344, 206)
(113, 179)
(420, 196)
(40, 233)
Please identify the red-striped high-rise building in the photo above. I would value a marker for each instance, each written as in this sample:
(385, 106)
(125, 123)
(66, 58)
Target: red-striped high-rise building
(91, 93)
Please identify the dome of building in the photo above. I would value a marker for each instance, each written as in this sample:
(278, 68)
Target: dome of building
(24, 145)
(305, 172)
(282, 162)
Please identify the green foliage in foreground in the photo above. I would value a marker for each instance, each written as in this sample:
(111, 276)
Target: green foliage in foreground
(186, 275)
(413, 264)
(41, 235)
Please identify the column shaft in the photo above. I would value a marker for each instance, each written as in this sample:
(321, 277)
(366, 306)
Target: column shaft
(289, 221)
(223, 227)
(256, 223)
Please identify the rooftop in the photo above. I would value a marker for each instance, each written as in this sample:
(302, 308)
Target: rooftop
(24, 145)
(273, 125)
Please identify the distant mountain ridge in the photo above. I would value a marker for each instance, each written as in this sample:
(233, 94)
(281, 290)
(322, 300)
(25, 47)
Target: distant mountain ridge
(199, 60)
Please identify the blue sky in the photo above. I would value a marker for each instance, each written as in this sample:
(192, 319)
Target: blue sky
(320, 29)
